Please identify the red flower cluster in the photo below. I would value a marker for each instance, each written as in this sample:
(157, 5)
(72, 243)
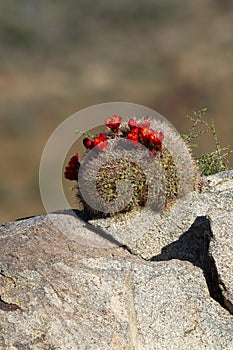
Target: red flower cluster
(99, 141)
(132, 124)
(138, 132)
(71, 172)
(141, 132)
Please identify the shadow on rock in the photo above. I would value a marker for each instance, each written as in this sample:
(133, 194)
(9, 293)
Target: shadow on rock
(193, 246)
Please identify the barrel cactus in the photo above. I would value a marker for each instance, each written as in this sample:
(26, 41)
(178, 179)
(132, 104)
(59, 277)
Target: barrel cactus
(134, 163)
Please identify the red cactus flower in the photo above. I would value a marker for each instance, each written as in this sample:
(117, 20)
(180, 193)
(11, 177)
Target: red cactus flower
(71, 170)
(113, 123)
(101, 142)
(132, 123)
(135, 130)
(133, 136)
(97, 140)
(145, 133)
(103, 137)
(88, 143)
(152, 136)
(155, 140)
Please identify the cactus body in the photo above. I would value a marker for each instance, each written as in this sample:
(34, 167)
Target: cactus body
(117, 178)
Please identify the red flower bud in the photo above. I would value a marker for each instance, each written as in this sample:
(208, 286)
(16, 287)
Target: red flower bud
(103, 137)
(71, 172)
(88, 143)
(101, 142)
(97, 140)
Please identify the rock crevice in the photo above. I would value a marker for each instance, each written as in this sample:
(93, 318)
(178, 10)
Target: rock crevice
(4, 306)
(194, 246)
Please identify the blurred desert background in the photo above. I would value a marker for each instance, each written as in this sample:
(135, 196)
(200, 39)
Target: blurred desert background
(58, 57)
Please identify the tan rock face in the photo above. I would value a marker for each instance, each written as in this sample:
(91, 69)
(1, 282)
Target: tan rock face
(72, 286)
(221, 249)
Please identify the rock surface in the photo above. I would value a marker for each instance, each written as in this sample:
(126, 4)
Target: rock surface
(67, 285)
(147, 233)
(221, 249)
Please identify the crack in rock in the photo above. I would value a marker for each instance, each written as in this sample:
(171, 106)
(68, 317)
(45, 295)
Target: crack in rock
(4, 306)
(193, 246)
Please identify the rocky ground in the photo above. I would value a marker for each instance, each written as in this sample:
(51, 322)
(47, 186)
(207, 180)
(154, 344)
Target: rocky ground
(166, 284)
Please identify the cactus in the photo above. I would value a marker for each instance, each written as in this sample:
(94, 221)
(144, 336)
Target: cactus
(158, 166)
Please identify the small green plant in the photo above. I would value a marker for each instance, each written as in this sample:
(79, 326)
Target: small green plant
(211, 162)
